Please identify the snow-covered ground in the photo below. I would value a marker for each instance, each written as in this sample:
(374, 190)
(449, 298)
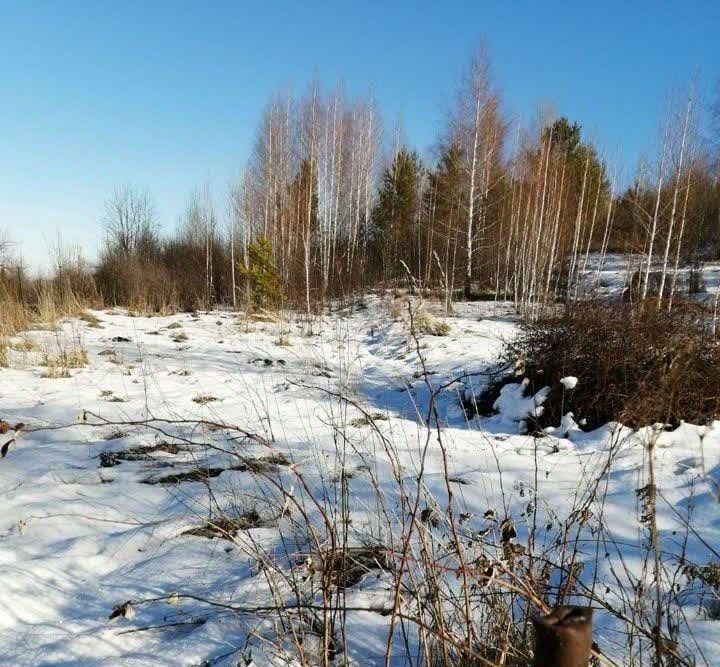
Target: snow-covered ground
(84, 530)
(617, 270)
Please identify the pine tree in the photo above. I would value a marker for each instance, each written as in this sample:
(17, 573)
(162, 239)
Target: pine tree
(396, 214)
(565, 137)
(260, 276)
(443, 212)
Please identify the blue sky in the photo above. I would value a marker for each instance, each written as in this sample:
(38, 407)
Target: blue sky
(167, 95)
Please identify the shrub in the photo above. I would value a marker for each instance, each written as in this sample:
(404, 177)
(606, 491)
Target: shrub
(633, 290)
(695, 281)
(142, 286)
(638, 365)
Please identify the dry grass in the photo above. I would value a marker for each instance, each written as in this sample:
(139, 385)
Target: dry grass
(90, 319)
(26, 305)
(227, 527)
(58, 366)
(427, 323)
(418, 318)
(14, 317)
(24, 344)
(459, 588)
(204, 399)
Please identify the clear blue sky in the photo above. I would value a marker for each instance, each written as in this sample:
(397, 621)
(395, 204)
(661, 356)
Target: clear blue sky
(167, 95)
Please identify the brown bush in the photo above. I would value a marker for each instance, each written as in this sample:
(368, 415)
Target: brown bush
(635, 364)
(141, 286)
(170, 276)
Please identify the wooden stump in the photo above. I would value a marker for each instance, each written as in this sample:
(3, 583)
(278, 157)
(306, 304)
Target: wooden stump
(563, 638)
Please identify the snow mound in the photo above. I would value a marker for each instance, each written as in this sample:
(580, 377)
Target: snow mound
(569, 382)
(514, 405)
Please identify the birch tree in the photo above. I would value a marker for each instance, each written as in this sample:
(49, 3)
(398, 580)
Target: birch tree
(480, 132)
(678, 177)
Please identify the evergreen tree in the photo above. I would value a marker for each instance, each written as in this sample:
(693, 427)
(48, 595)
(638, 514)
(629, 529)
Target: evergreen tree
(567, 144)
(564, 135)
(443, 209)
(583, 166)
(260, 276)
(396, 215)
(447, 183)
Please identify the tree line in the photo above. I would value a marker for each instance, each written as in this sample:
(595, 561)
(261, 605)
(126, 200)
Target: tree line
(324, 209)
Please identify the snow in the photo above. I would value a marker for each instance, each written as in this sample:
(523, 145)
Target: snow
(568, 428)
(514, 406)
(569, 382)
(618, 269)
(80, 538)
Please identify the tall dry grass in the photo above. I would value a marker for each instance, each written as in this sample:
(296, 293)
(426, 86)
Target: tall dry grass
(27, 304)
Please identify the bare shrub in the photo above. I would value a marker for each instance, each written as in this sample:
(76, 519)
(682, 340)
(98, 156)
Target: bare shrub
(636, 365)
(138, 284)
(633, 289)
(390, 537)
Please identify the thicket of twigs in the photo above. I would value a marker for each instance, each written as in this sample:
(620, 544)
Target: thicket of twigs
(636, 364)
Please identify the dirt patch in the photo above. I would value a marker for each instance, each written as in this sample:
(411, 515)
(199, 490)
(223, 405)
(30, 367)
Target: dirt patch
(265, 361)
(347, 567)
(264, 465)
(116, 435)
(366, 420)
(110, 459)
(226, 528)
(205, 399)
(194, 475)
